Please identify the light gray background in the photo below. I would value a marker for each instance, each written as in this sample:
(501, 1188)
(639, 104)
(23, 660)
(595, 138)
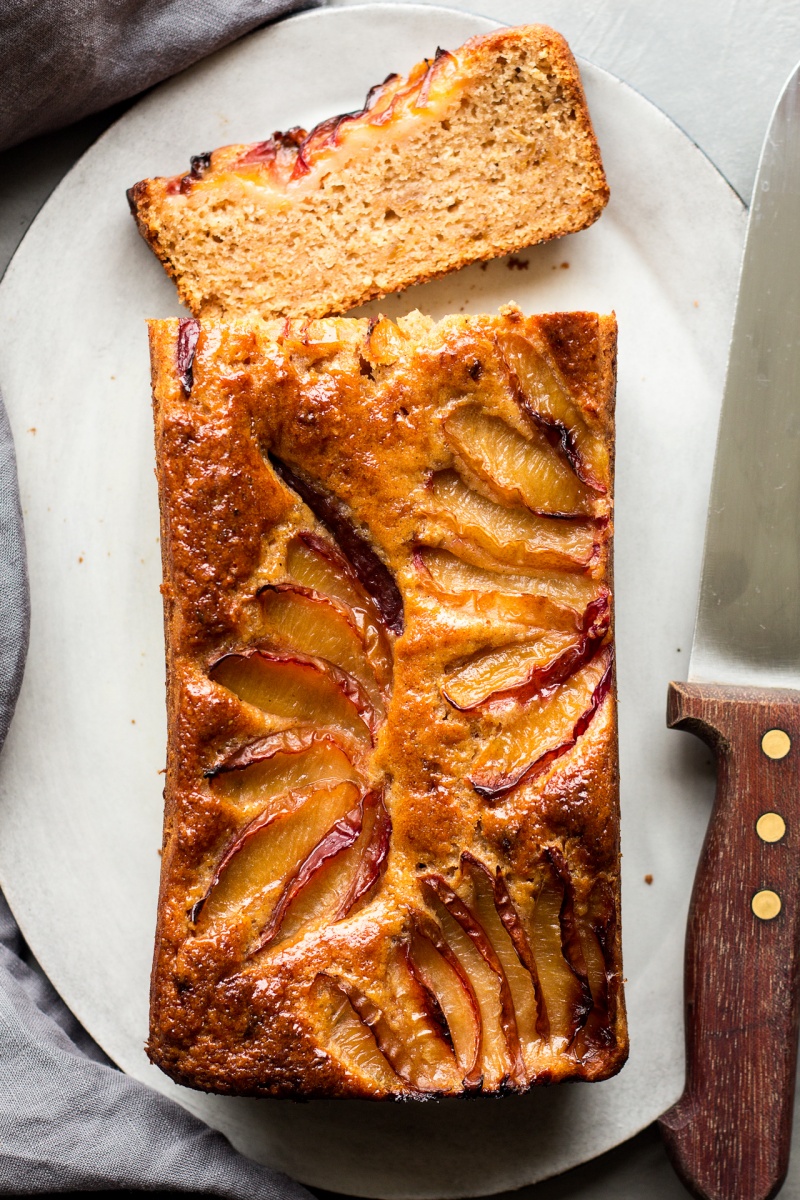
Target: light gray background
(714, 66)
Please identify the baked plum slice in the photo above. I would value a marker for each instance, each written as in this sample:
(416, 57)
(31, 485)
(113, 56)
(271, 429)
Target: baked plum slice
(547, 403)
(299, 689)
(518, 470)
(299, 618)
(548, 920)
(370, 570)
(515, 927)
(188, 334)
(516, 673)
(293, 760)
(569, 932)
(494, 674)
(439, 971)
(347, 1036)
(548, 727)
(449, 573)
(385, 342)
(483, 909)
(412, 1045)
(252, 872)
(510, 534)
(434, 1062)
(501, 1053)
(371, 854)
(335, 874)
(316, 857)
(391, 1045)
(316, 564)
(570, 953)
(598, 933)
(491, 903)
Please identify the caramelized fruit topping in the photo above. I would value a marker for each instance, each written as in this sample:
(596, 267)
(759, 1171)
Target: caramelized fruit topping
(517, 673)
(511, 535)
(548, 404)
(490, 675)
(519, 470)
(371, 572)
(289, 761)
(571, 945)
(266, 852)
(317, 564)
(348, 1036)
(440, 972)
(451, 574)
(501, 1049)
(188, 333)
(598, 932)
(494, 910)
(340, 837)
(307, 621)
(548, 727)
(371, 862)
(417, 1052)
(300, 689)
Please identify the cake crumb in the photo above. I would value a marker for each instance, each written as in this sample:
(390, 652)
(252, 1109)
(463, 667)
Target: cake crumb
(504, 82)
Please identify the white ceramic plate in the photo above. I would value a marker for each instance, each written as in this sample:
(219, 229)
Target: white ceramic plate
(80, 786)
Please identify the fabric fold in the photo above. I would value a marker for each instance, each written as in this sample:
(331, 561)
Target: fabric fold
(70, 1121)
(63, 61)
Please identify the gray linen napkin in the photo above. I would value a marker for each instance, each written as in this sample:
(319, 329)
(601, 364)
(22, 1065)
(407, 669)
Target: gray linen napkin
(69, 1120)
(63, 59)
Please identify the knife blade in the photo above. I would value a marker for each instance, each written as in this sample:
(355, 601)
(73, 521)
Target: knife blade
(729, 1134)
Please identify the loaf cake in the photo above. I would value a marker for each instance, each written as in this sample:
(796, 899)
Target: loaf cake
(475, 154)
(391, 862)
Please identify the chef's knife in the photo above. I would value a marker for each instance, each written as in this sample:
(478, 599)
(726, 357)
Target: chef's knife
(729, 1134)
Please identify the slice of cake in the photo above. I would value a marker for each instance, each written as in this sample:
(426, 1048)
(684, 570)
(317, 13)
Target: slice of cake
(473, 155)
(391, 860)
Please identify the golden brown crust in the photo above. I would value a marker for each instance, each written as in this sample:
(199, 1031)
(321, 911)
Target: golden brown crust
(477, 153)
(362, 408)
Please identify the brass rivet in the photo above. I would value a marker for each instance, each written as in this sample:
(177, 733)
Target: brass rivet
(770, 827)
(776, 744)
(766, 904)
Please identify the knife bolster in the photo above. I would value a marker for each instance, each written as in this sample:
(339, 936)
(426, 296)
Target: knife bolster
(729, 1135)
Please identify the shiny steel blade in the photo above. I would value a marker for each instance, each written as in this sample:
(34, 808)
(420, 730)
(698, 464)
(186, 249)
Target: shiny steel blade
(748, 618)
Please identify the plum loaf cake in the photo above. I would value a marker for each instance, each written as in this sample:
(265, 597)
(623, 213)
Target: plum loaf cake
(475, 154)
(391, 863)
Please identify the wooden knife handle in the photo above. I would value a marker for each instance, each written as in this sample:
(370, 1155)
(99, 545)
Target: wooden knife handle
(729, 1134)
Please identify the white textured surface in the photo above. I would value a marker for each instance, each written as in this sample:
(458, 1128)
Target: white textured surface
(79, 791)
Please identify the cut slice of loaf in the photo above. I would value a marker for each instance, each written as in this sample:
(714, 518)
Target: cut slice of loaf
(477, 153)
